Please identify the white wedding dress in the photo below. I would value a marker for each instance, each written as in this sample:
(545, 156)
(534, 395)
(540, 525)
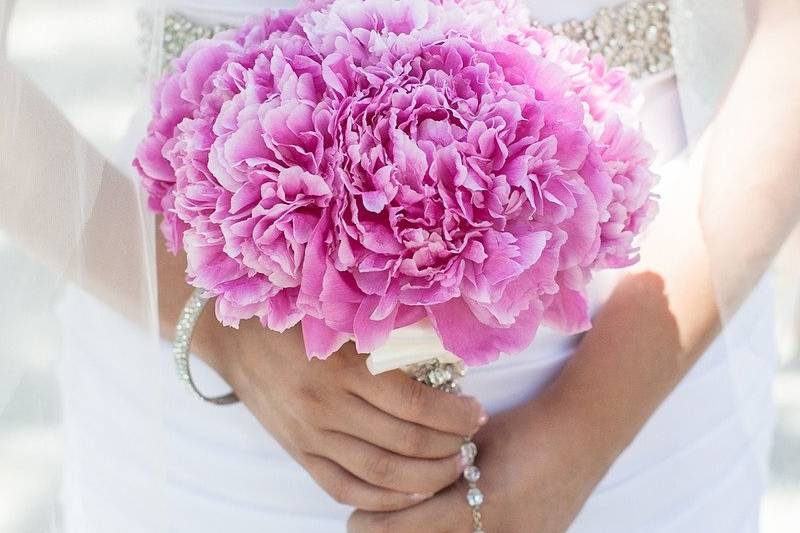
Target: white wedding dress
(698, 466)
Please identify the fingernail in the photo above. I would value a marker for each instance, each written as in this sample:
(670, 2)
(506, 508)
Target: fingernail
(483, 418)
(417, 497)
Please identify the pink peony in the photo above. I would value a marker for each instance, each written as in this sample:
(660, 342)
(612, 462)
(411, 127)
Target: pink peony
(358, 165)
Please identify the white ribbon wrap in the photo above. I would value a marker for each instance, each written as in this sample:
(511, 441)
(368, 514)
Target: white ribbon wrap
(407, 346)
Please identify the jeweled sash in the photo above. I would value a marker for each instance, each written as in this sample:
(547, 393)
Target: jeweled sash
(634, 35)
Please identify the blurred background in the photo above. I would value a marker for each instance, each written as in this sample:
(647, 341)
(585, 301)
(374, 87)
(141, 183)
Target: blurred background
(29, 452)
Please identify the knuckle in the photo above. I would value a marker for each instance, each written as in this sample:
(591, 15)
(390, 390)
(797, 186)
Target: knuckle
(301, 433)
(311, 397)
(417, 398)
(415, 441)
(313, 418)
(315, 407)
(349, 365)
(382, 467)
(339, 490)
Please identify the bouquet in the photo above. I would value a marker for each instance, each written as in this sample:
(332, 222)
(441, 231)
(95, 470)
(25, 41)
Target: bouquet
(370, 168)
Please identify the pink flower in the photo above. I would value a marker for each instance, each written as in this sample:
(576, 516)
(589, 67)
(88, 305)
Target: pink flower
(358, 165)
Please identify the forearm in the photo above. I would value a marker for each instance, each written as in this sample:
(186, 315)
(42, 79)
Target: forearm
(658, 322)
(644, 339)
(34, 136)
(622, 371)
(752, 171)
(107, 253)
(65, 205)
(95, 232)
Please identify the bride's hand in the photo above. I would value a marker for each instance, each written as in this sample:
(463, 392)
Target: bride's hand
(537, 470)
(374, 442)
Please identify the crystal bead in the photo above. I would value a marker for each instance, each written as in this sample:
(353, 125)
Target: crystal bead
(634, 35)
(474, 497)
(439, 376)
(469, 451)
(472, 474)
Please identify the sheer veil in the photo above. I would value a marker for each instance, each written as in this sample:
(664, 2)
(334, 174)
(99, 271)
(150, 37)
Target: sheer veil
(75, 77)
(742, 231)
(709, 42)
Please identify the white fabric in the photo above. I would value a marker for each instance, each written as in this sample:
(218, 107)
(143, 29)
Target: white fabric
(699, 30)
(697, 466)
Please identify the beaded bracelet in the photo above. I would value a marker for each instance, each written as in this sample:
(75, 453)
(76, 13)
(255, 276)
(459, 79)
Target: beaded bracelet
(444, 376)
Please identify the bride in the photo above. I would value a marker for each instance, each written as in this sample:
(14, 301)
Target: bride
(658, 419)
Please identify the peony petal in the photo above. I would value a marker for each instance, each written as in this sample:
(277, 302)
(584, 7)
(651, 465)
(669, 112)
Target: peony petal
(320, 340)
(569, 311)
(463, 335)
(370, 334)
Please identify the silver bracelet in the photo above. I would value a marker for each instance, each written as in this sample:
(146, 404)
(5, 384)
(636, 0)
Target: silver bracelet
(181, 348)
(444, 376)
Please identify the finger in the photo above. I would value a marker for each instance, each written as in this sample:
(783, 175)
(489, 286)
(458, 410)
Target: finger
(347, 489)
(385, 469)
(370, 424)
(445, 512)
(410, 400)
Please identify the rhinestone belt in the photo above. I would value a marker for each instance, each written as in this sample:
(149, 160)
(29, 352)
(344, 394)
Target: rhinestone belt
(634, 35)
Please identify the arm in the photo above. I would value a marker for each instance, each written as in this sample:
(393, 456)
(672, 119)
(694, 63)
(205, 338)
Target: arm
(659, 322)
(541, 461)
(370, 442)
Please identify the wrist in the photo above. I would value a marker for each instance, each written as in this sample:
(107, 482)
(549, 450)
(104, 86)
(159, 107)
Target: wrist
(252, 349)
(538, 460)
(220, 347)
(563, 432)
